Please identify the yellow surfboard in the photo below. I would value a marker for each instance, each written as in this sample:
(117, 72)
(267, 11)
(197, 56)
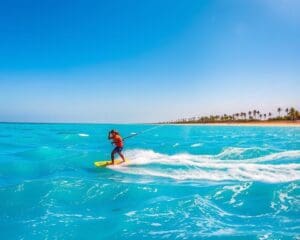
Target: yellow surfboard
(108, 162)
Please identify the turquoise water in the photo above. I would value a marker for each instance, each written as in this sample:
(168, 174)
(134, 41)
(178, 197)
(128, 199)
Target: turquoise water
(182, 182)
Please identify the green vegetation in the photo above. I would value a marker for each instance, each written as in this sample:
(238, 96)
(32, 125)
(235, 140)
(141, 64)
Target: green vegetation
(291, 114)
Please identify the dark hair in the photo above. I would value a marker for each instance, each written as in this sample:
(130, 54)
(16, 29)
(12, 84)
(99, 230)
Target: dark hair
(114, 131)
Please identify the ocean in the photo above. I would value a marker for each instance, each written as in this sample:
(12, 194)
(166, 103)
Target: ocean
(181, 182)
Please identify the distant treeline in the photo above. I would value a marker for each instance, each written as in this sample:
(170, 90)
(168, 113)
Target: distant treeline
(288, 114)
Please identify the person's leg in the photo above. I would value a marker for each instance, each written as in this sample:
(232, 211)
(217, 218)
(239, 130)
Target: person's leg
(113, 155)
(121, 154)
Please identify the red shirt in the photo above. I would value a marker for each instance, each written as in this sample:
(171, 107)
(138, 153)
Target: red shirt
(118, 141)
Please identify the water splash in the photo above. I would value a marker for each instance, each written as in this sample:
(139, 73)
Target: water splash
(212, 167)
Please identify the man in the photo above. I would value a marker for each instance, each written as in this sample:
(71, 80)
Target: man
(118, 142)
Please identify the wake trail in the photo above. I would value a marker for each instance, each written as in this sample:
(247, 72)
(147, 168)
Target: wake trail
(212, 168)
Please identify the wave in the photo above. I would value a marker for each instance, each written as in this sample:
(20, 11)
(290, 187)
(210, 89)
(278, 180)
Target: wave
(211, 167)
(196, 145)
(242, 153)
(83, 135)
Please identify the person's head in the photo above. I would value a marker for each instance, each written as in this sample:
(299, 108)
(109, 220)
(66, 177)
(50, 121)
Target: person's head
(114, 132)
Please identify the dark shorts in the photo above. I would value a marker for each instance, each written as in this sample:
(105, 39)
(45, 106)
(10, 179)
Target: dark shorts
(117, 150)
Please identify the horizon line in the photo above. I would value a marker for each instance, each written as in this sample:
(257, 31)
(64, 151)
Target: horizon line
(98, 123)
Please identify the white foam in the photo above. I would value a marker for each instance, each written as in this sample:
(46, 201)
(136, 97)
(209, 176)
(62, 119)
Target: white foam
(265, 236)
(83, 135)
(231, 151)
(237, 190)
(222, 232)
(155, 224)
(196, 145)
(288, 155)
(211, 167)
(130, 214)
(284, 198)
(235, 152)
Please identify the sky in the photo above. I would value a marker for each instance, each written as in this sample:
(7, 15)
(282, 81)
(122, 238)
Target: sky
(131, 61)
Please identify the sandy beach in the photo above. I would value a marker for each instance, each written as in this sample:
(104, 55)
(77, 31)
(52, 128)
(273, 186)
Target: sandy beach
(256, 124)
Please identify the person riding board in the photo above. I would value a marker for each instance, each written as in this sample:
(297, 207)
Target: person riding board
(118, 142)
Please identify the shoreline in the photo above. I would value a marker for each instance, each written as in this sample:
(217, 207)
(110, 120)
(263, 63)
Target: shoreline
(254, 123)
(250, 124)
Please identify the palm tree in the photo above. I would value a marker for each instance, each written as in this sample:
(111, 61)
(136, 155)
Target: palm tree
(297, 114)
(279, 110)
(241, 114)
(254, 113)
(260, 116)
(287, 111)
(265, 116)
(258, 112)
(249, 114)
(270, 114)
(292, 113)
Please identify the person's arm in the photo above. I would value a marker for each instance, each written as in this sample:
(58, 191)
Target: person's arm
(109, 136)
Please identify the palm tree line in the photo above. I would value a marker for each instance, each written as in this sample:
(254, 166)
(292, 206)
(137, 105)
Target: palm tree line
(289, 114)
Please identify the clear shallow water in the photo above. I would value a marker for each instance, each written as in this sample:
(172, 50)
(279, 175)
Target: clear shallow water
(182, 182)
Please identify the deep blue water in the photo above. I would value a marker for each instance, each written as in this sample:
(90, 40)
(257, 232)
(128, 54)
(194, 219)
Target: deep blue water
(182, 182)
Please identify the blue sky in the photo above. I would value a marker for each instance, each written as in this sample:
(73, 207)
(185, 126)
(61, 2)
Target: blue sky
(145, 61)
